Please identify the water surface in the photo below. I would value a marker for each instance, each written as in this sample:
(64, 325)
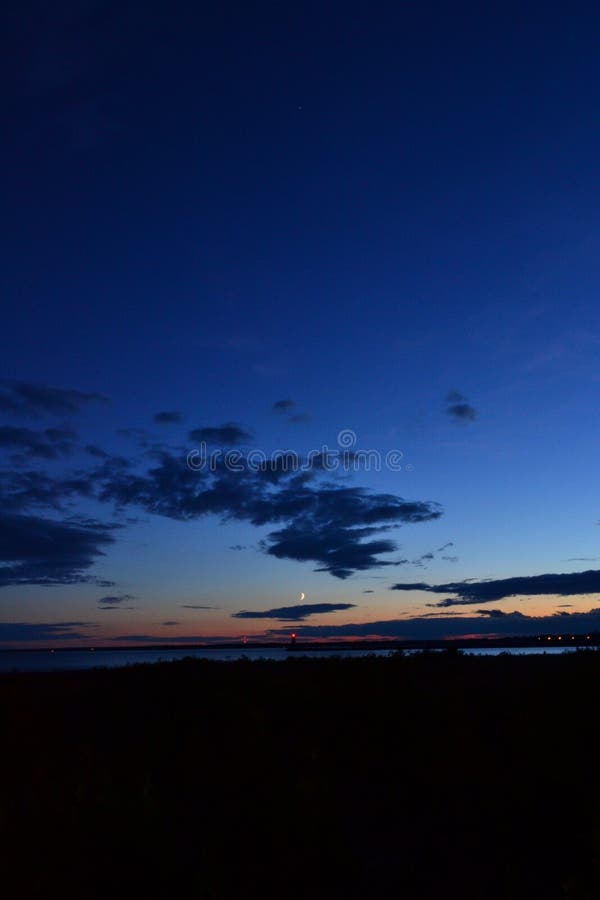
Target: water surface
(62, 660)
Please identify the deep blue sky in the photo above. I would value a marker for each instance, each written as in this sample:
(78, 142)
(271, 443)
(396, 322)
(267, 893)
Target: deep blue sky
(359, 208)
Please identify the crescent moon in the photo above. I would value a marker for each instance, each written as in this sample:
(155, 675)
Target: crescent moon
(302, 596)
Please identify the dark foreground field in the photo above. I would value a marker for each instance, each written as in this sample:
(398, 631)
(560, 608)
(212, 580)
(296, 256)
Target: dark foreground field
(424, 777)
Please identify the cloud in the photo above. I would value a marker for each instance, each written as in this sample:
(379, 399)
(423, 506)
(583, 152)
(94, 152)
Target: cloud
(283, 406)
(98, 452)
(237, 547)
(330, 526)
(168, 418)
(368, 592)
(228, 434)
(113, 608)
(196, 606)
(469, 592)
(35, 550)
(31, 399)
(433, 615)
(497, 613)
(339, 528)
(23, 490)
(42, 631)
(299, 419)
(141, 435)
(338, 549)
(293, 613)
(449, 626)
(113, 601)
(420, 561)
(50, 443)
(448, 601)
(463, 412)
(458, 408)
(169, 623)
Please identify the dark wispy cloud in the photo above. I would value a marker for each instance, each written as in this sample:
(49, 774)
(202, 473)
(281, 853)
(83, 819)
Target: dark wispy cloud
(451, 601)
(168, 418)
(34, 550)
(497, 613)
(229, 434)
(169, 623)
(30, 399)
(283, 406)
(196, 606)
(470, 592)
(116, 608)
(286, 408)
(26, 443)
(94, 450)
(424, 558)
(293, 613)
(299, 418)
(420, 562)
(368, 592)
(448, 626)
(113, 601)
(459, 409)
(237, 547)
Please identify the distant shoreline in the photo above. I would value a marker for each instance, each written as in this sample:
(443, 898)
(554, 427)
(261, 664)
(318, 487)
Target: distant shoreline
(565, 640)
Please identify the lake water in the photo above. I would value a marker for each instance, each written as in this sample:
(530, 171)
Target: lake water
(61, 660)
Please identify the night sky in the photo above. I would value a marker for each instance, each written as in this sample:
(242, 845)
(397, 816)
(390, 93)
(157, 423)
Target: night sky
(302, 227)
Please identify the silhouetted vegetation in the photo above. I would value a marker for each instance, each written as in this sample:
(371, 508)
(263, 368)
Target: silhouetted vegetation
(437, 775)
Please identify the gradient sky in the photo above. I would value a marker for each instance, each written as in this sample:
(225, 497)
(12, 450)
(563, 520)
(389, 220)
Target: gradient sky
(295, 220)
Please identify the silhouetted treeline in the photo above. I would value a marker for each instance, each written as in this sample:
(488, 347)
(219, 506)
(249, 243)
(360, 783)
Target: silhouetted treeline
(429, 776)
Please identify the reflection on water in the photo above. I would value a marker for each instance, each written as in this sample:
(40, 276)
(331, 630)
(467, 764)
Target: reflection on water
(61, 660)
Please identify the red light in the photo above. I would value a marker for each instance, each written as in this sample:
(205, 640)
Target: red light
(293, 634)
